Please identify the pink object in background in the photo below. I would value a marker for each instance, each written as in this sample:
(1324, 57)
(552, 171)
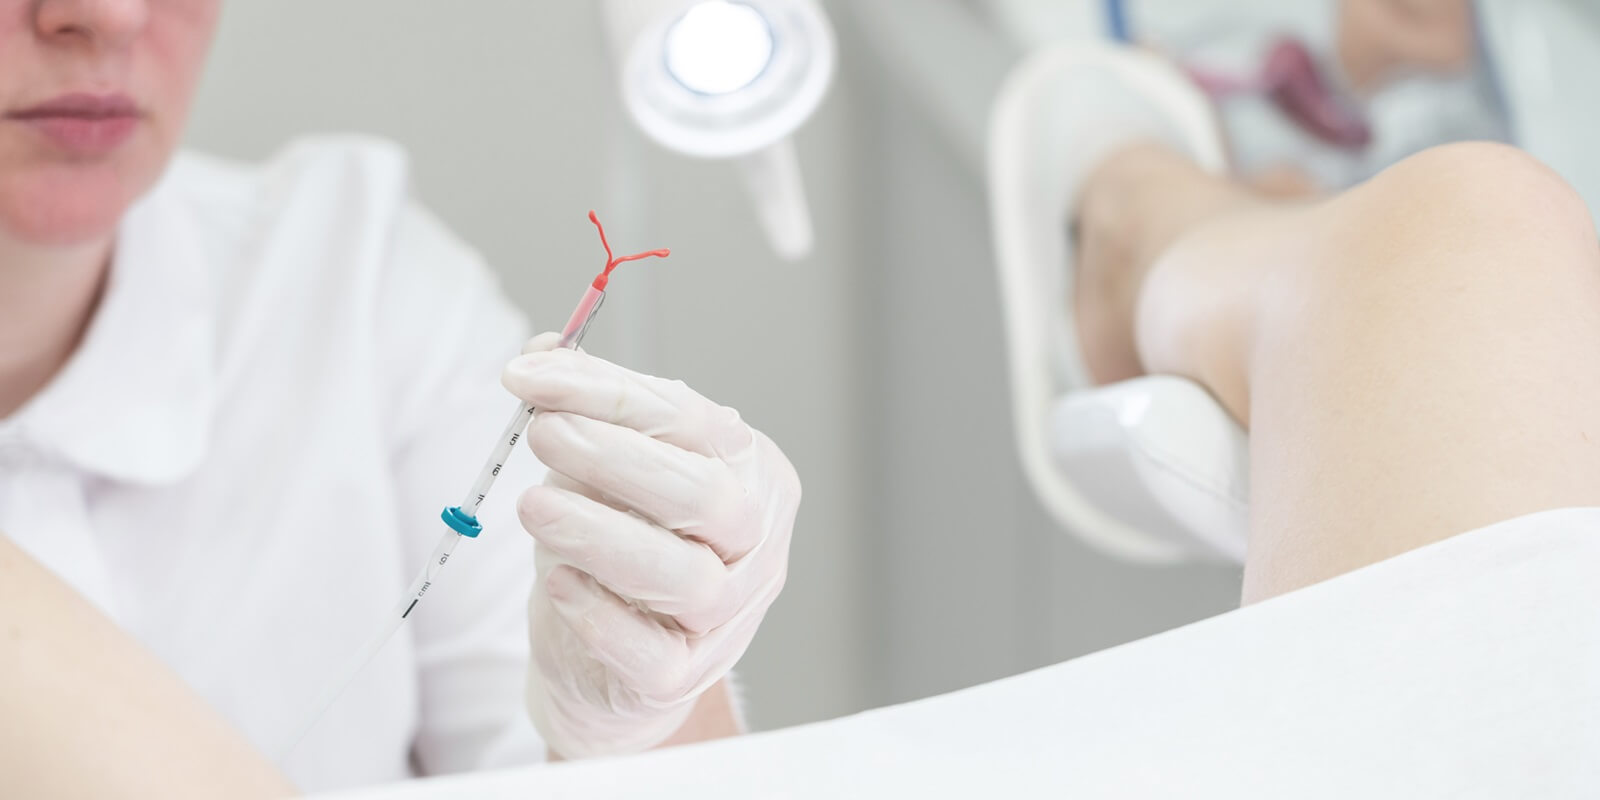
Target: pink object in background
(1291, 78)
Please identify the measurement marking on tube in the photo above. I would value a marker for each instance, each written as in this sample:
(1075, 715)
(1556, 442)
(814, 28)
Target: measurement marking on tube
(408, 608)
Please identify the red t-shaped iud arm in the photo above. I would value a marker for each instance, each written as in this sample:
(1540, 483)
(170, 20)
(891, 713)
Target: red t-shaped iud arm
(604, 277)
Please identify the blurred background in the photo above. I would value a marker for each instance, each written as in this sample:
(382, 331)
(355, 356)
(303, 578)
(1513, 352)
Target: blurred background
(921, 561)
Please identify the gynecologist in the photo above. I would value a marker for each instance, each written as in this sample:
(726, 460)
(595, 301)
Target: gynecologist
(232, 401)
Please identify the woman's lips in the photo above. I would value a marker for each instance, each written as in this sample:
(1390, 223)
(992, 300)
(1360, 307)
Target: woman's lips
(84, 125)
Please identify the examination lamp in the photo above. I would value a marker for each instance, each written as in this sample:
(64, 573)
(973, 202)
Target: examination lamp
(726, 79)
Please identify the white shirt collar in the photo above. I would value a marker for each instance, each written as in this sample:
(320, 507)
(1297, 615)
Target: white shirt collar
(134, 403)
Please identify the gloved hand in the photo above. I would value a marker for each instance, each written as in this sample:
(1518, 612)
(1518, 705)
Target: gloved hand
(662, 537)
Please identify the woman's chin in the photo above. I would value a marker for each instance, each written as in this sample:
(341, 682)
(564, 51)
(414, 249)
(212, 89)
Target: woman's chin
(64, 206)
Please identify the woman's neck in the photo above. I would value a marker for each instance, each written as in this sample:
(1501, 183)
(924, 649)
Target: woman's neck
(47, 297)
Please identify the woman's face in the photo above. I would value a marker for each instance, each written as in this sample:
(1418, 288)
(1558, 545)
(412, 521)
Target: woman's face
(93, 98)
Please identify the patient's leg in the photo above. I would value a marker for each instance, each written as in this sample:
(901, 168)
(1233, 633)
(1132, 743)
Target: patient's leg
(86, 712)
(1415, 358)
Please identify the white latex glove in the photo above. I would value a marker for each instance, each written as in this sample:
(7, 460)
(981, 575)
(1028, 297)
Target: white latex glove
(663, 536)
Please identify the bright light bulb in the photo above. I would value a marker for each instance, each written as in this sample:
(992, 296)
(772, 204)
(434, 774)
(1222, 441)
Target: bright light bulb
(718, 47)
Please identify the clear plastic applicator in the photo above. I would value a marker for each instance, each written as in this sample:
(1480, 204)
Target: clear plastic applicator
(462, 520)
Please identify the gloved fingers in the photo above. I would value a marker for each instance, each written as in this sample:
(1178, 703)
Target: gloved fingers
(648, 658)
(563, 380)
(697, 496)
(560, 481)
(549, 340)
(711, 656)
(762, 571)
(740, 580)
(664, 572)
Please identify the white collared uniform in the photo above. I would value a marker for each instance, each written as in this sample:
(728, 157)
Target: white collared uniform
(293, 370)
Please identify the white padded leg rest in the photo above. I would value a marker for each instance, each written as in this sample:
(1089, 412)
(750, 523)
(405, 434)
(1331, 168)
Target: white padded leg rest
(1058, 111)
(1159, 453)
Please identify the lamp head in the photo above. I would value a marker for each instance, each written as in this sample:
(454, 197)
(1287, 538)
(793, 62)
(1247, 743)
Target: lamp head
(729, 79)
(723, 78)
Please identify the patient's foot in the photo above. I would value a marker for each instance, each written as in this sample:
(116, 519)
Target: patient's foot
(1135, 204)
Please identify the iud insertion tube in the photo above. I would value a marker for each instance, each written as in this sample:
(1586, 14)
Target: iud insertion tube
(462, 520)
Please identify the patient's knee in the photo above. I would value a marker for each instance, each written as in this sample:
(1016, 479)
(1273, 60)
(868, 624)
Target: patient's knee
(1474, 217)
(1464, 235)
(1475, 192)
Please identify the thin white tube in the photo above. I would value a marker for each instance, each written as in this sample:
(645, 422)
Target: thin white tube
(571, 337)
(363, 657)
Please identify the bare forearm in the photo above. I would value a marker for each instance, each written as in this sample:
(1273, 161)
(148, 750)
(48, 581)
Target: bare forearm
(90, 713)
(713, 718)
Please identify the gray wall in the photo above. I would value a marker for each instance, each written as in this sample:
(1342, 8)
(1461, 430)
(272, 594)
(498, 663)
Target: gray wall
(920, 561)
